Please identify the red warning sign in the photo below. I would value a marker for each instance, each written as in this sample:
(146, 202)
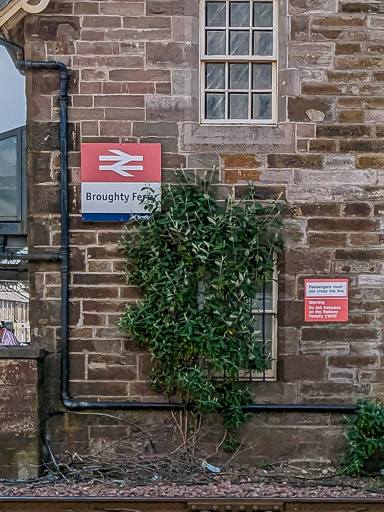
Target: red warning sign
(326, 300)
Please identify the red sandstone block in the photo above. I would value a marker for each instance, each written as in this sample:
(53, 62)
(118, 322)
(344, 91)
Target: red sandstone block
(120, 101)
(102, 21)
(123, 9)
(81, 332)
(105, 346)
(360, 255)
(342, 225)
(99, 389)
(141, 389)
(90, 87)
(86, 7)
(122, 61)
(100, 266)
(319, 209)
(163, 88)
(92, 35)
(128, 88)
(99, 279)
(357, 209)
(171, 8)
(240, 161)
(342, 334)
(109, 237)
(96, 361)
(18, 372)
(85, 292)
(19, 398)
(339, 21)
(98, 48)
(323, 146)
(327, 239)
(104, 306)
(121, 114)
(300, 261)
(105, 252)
(148, 22)
(89, 114)
(112, 373)
(295, 161)
(158, 35)
(80, 238)
(17, 423)
(353, 361)
(92, 319)
(119, 128)
(302, 368)
(77, 364)
(140, 75)
(371, 63)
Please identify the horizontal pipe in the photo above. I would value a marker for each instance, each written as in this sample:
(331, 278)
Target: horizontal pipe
(29, 65)
(10, 255)
(77, 404)
(346, 409)
(252, 408)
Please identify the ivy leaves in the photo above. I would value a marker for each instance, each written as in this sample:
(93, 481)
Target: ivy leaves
(199, 263)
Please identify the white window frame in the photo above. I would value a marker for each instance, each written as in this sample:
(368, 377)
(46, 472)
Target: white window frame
(238, 59)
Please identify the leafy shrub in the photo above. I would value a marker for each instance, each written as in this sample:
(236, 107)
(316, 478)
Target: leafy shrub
(199, 263)
(365, 438)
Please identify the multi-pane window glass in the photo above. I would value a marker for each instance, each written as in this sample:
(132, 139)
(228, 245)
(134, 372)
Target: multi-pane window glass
(264, 309)
(12, 182)
(9, 179)
(239, 61)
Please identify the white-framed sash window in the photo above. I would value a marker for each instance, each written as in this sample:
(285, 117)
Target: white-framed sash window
(238, 48)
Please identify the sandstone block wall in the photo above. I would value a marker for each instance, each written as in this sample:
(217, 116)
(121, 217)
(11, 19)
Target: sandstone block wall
(19, 418)
(134, 78)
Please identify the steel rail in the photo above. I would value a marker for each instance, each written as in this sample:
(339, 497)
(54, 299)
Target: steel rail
(280, 501)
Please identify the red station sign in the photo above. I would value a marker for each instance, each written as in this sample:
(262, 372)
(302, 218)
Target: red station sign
(326, 300)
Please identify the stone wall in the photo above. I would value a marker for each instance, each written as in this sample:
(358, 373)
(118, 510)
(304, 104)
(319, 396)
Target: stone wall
(134, 78)
(19, 419)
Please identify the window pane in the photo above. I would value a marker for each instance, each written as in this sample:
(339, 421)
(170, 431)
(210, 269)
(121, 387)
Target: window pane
(262, 42)
(239, 14)
(8, 179)
(239, 42)
(215, 14)
(262, 106)
(262, 76)
(268, 326)
(238, 76)
(238, 106)
(215, 42)
(215, 106)
(258, 301)
(267, 333)
(215, 76)
(262, 14)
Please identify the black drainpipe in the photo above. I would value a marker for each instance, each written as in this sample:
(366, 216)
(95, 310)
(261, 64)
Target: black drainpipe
(67, 401)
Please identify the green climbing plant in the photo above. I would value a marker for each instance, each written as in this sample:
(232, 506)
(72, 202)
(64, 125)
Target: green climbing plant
(365, 438)
(199, 263)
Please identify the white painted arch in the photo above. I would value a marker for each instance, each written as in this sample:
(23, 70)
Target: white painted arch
(26, 5)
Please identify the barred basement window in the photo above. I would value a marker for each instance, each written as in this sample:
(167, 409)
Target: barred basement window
(265, 311)
(239, 61)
